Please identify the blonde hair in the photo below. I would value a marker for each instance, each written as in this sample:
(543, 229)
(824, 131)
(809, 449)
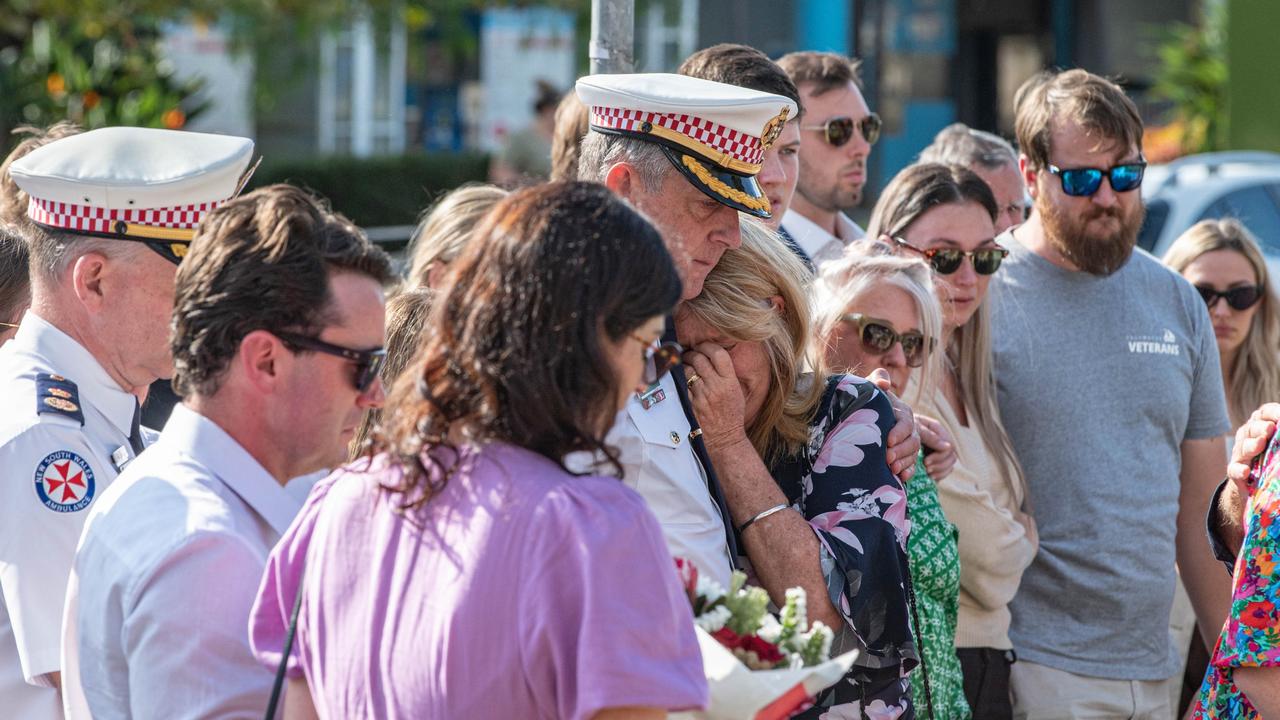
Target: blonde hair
(572, 125)
(864, 268)
(444, 230)
(1255, 373)
(912, 193)
(406, 316)
(735, 302)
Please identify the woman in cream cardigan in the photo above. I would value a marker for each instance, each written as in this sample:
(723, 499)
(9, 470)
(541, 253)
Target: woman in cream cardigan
(946, 215)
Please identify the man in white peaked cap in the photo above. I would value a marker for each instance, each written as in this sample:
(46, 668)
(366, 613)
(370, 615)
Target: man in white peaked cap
(686, 152)
(114, 209)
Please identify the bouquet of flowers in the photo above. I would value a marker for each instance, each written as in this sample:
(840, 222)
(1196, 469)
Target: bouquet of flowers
(758, 665)
(740, 620)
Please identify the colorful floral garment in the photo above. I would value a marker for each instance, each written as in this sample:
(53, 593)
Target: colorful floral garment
(1251, 636)
(935, 571)
(841, 483)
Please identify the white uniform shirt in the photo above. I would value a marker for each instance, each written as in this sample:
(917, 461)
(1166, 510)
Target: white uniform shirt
(164, 579)
(659, 463)
(52, 470)
(820, 245)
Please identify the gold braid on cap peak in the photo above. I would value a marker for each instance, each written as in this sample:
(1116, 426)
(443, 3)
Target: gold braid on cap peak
(718, 185)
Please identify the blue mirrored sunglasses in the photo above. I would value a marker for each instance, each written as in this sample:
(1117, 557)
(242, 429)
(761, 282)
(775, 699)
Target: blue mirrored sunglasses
(1083, 182)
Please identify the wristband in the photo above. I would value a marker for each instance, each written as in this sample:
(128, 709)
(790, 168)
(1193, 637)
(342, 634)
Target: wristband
(761, 516)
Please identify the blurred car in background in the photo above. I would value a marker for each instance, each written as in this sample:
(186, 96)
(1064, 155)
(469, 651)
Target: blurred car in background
(1242, 185)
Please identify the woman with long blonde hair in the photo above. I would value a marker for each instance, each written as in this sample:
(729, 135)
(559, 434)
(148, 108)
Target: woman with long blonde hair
(817, 506)
(946, 215)
(1223, 260)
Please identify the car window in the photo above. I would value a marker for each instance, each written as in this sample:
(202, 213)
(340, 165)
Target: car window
(1256, 207)
(1152, 224)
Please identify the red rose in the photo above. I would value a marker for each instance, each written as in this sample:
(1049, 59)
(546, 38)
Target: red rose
(765, 650)
(728, 638)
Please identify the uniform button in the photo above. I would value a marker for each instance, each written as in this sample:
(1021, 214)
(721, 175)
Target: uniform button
(675, 437)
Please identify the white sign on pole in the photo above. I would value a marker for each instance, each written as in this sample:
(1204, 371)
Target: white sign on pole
(519, 47)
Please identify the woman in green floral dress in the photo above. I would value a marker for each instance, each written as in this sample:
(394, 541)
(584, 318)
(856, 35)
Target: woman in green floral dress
(874, 310)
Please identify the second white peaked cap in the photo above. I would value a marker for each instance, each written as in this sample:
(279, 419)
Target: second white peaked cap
(132, 183)
(714, 133)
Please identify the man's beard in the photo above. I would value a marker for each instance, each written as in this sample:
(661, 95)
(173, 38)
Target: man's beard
(1099, 255)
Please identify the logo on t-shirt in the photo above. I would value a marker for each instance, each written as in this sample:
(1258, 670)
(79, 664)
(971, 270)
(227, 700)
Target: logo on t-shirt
(1166, 344)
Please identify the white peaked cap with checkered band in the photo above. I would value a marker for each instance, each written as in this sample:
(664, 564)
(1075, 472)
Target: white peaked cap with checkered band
(132, 183)
(714, 133)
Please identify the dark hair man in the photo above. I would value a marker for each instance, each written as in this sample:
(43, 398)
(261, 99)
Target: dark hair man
(747, 67)
(277, 344)
(838, 132)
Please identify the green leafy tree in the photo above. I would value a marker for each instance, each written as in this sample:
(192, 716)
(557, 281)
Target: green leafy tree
(1192, 78)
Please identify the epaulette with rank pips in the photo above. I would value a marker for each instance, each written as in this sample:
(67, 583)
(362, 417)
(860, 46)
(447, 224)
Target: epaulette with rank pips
(58, 395)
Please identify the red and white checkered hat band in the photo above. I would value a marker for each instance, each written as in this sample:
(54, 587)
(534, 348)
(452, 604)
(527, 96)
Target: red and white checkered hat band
(741, 146)
(86, 218)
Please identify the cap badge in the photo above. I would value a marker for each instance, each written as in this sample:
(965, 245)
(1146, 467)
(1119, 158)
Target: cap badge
(773, 128)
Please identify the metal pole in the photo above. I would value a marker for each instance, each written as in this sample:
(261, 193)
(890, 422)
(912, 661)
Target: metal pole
(612, 36)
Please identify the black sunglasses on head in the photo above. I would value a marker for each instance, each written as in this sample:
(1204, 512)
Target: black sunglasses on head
(839, 131)
(945, 261)
(368, 362)
(1239, 298)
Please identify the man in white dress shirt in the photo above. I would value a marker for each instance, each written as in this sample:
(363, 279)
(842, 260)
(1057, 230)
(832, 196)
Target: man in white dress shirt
(111, 212)
(277, 343)
(837, 133)
(686, 152)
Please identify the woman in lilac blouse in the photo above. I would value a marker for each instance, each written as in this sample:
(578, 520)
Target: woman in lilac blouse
(462, 571)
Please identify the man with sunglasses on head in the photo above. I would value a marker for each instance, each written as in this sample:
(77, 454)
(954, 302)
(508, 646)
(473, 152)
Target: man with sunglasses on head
(109, 214)
(1109, 386)
(277, 342)
(837, 133)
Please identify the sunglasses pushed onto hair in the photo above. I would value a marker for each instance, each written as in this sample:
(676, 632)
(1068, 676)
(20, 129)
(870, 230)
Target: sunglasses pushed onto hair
(1238, 298)
(878, 337)
(945, 261)
(839, 131)
(368, 362)
(1083, 182)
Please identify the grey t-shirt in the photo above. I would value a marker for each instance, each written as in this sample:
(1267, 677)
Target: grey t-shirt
(1100, 380)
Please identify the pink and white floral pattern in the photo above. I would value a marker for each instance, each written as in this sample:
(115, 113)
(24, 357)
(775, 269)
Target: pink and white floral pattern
(842, 484)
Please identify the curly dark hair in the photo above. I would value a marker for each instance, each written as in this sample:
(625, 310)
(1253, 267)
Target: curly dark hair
(260, 262)
(513, 346)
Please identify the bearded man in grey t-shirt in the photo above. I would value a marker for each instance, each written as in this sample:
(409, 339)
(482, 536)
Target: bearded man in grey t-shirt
(1110, 389)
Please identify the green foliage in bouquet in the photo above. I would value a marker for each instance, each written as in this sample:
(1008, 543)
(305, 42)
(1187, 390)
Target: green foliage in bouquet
(748, 605)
